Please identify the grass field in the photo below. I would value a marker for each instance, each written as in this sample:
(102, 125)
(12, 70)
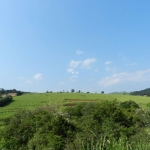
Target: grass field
(31, 101)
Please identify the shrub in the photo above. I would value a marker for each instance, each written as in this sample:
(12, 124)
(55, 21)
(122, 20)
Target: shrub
(148, 105)
(106, 125)
(39, 129)
(5, 100)
(129, 105)
(106, 118)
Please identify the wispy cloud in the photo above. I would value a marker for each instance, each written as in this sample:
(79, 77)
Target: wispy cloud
(87, 62)
(79, 64)
(83, 64)
(108, 62)
(74, 64)
(138, 76)
(38, 76)
(70, 70)
(79, 52)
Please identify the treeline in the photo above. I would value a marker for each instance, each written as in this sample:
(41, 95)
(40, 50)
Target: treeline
(120, 93)
(5, 92)
(141, 92)
(5, 100)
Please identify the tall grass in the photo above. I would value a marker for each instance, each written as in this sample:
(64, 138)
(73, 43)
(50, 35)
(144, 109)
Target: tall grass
(105, 144)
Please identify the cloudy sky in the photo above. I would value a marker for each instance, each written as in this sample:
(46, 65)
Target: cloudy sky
(84, 45)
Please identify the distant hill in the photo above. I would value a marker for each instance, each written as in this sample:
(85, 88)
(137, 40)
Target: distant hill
(141, 92)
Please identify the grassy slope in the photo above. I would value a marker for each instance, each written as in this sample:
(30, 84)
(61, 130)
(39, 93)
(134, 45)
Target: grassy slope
(31, 101)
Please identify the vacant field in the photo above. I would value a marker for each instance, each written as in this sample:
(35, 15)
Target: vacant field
(31, 101)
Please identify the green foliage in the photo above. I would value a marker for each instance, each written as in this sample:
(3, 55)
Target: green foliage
(37, 129)
(5, 100)
(105, 119)
(148, 105)
(72, 90)
(141, 92)
(129, 104)
(104, 144)
(88, 125)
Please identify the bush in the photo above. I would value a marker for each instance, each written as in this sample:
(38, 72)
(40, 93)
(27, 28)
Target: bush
(129, 105)
(106, 125)
(39, 129)
(148, 105)
(5, 100)
(104, 119)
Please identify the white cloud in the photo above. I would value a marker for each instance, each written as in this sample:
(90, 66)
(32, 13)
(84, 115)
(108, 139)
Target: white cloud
(96, 70)
(74, 64)
(70, 70)
(84, 64)
(108, 62)
(87, 62)
(75, 72)
(138, 76)
(38, 76)
(79, 52)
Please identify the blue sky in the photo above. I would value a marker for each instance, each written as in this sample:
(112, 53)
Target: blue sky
(84, 45)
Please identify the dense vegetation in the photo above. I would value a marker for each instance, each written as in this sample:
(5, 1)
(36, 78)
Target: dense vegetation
(141, 92)
(105, 125)
(3, 91)
(5, 100)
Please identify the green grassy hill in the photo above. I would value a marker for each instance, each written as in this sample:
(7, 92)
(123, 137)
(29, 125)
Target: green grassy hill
(31, 101)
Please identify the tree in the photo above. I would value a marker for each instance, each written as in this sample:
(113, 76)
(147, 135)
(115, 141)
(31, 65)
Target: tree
(72, 90)
(102, 92)
(14, 90)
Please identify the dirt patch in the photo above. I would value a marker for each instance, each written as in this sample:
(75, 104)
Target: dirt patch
(74, 102)
(80, 100)
(71, 104)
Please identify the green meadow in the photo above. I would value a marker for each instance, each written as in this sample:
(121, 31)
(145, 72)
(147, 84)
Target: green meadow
(34, 100)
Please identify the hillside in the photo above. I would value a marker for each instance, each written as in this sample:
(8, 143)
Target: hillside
(141, 92)
(34, 100)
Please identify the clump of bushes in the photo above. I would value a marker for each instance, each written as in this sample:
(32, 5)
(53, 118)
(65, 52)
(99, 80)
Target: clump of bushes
(103, 120)
(38, 129)
(129, 105)
(5, 100)
(104, 125)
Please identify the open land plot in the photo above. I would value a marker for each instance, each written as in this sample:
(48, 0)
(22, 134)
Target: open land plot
(31, 101)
